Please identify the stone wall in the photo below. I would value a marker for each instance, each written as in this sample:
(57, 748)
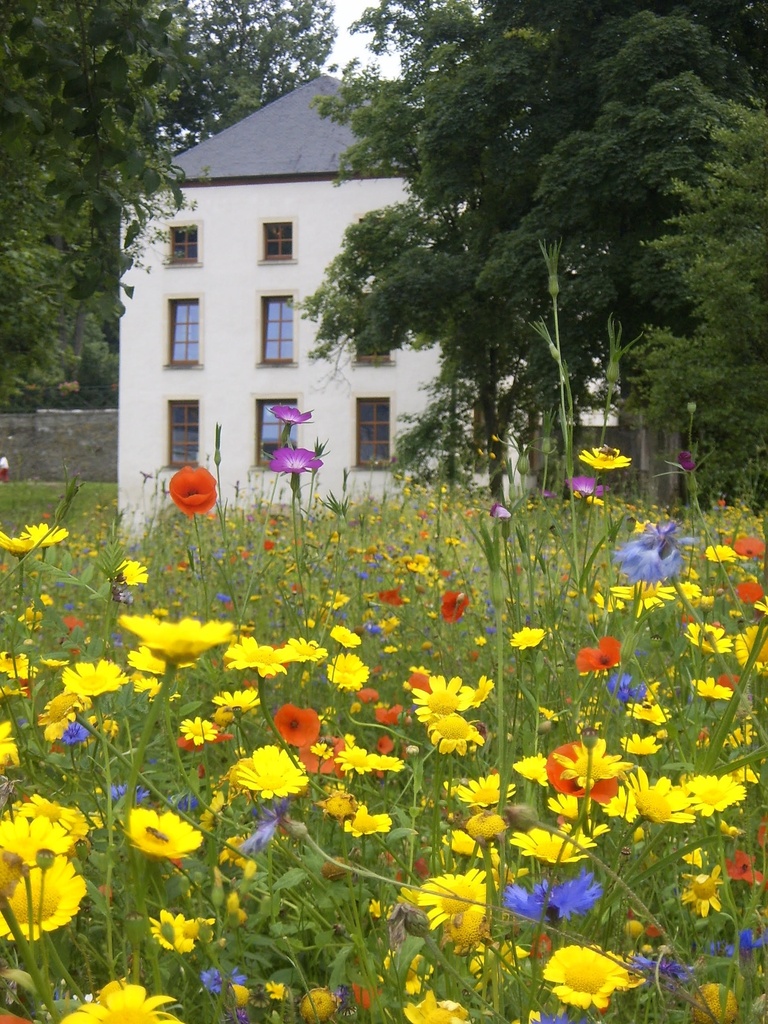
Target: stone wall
(42, 445)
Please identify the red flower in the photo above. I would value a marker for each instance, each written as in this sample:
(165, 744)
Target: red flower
(419, 681)
(601, 790)
(600, 658)
(453, 605)
(749, 547)
(749, 592)
(730, 681)
(388, 716)
(193, 490)
(740, 869)
(391, 597)
(363, 996)
(367, 695)
(385, 744)
(298, 726)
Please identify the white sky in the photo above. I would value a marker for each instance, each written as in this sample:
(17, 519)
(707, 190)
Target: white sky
(349, 46)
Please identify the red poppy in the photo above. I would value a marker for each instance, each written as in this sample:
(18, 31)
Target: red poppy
(391, 597)
(11, 1018)
(419, 681)
(601, 790)
(363, 996)
(269, 545)
(385, 744)
(453, 605)
(193, 490)
(740, 869)
(298, 726)
(749, 547)
(730, 681)
(72, 622)
(541, 946)
(749, 592)
(367, 695)
(600, 658)
(388, 716)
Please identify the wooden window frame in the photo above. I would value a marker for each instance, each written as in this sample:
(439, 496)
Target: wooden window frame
(173, 306)
(263, 453)
(283, 242)
(376, 460)
(281, 342)
(186, 244)
(188, 423)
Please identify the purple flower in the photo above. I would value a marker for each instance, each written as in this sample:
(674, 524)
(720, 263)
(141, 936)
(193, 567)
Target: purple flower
(585, 487)
(294, 460)
(499, 512)
(665, 968)
(213, 981)
(558, 1018)
(685, 461)
(289, 414)
(261, 837)
(74, 733)
(557, 902)
(653, 556)
(622, 689)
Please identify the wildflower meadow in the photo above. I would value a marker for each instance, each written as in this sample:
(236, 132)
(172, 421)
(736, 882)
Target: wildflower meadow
(427, 758)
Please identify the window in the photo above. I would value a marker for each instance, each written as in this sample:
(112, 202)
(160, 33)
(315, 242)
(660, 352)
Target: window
(185, 331)
(269, 430)
(184, 244)
(375, 359)
(278, 241)
(277, 330)
(184, 418)
(372, 431)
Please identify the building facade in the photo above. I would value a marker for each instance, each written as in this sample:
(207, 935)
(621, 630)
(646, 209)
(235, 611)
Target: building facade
(214, 334)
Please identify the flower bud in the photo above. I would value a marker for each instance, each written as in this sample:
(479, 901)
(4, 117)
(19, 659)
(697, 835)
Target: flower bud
(135, 927)
(45, 859)
(524, 464)
(612, 373)
(691, 407)
(521, 817)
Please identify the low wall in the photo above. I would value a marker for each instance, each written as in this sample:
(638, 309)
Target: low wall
(42, 445)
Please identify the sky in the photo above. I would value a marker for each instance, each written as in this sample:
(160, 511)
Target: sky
(349, 46)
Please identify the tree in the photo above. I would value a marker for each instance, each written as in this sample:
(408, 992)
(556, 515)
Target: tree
(520, 122)
(81, 82)
(718, 248)
(245, 53)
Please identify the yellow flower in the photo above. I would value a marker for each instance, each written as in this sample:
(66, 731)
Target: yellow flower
(348, 673)
(418, 972)
(430, 1011)
(72, 820)
(709, 639)
(710, 689)
(454, 734)
(482, 692)
(604, 459)
(640, 745)
(86, 680)
(318, 1006)
(144, 660)
(305, 650)
(56, 895)
(177, 642)
(467, 930)
(132, 573)
(177, 932)
(270, 772)
(484, 792)
(660, 802)
(345, 637)
(446, 895)
(710, 793)
(443, 698)
(589, 765)
(647, 595)
(720, 553)
(276, 990)
(486, 826)
(366, 824)
(701, 892)
(533, 768)
(239, 700)
(123, 1004)
(527, 637)
(339, 805)
(161, 836)
(25, 838)
(552, 849)
(9, 752)
(198, 731)
(745, 644)
(33, 537)
(587, 977)
(355, 759)
(715, 1004)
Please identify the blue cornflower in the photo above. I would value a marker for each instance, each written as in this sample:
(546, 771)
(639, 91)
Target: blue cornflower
(261, 837)
(747, 943)
(118, 790)
(187, 803)
(212, 980)
(654, 555)
(557, 902)
(664, 968)
(558, 1018)
(75, 733)
(620, 686)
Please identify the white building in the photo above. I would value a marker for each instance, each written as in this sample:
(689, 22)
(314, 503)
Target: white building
(212, 333)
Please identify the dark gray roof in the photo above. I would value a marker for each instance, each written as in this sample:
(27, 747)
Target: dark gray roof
(284, 139)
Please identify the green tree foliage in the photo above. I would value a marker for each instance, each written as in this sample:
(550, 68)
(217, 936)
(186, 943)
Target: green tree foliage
(718, 248)
(512, 123)
(245, 54)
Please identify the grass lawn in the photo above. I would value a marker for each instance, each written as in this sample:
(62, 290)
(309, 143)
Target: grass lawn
(26, 502)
